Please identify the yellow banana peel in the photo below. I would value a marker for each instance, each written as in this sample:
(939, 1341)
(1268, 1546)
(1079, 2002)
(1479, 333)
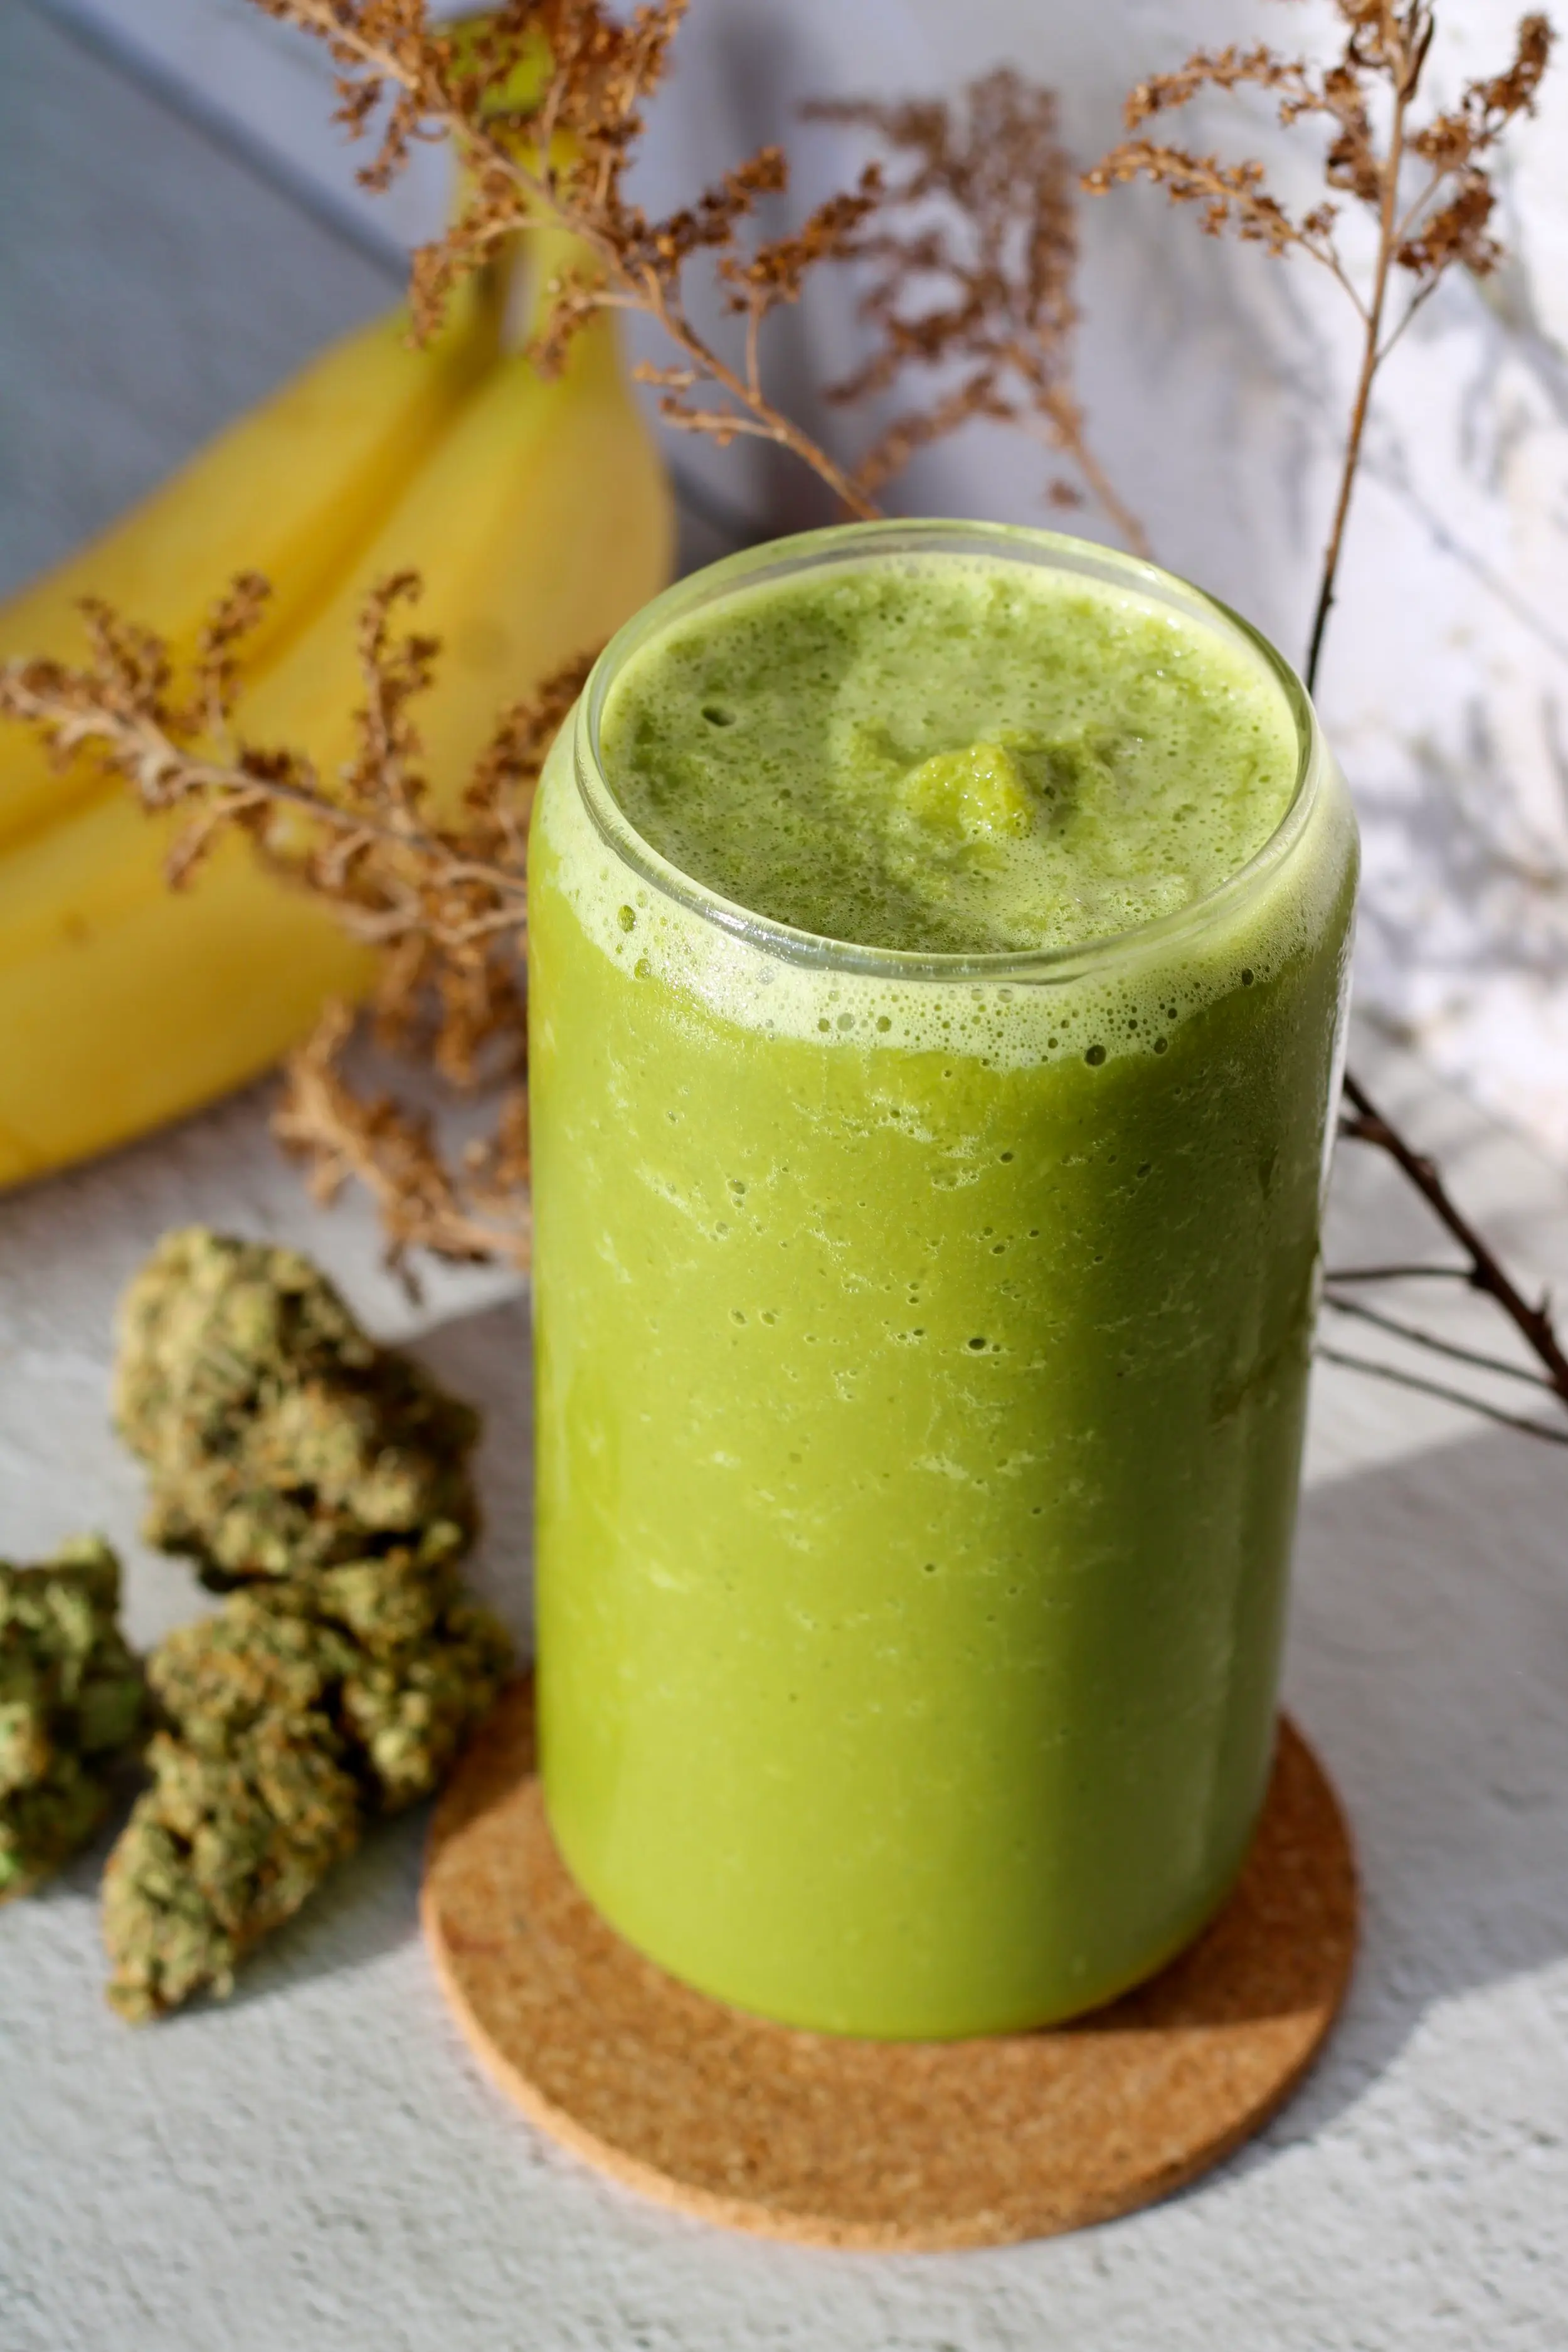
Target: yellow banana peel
(293, 490)
(540, 519)
(116, 1019)
(538, 525)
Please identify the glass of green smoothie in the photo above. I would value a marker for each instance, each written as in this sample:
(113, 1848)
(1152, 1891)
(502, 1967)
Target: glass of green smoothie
(938, 949)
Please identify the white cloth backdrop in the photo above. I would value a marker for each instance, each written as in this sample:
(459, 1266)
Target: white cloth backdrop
(1217, 382)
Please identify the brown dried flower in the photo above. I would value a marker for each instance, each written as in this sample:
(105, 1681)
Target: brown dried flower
(446, 904)
(972, 254)
(545, 103)
(474, 1208)
(1421, 230)
(1385, 53)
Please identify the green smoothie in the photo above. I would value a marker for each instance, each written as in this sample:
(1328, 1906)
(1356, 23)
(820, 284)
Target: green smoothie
(938, 939)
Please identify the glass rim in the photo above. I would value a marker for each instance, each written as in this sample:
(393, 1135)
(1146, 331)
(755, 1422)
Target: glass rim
(855, 542)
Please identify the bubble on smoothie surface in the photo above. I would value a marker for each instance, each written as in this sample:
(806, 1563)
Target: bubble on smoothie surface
(946, 755)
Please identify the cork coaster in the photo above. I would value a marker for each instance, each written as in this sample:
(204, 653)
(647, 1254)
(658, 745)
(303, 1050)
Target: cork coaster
(896, 2146)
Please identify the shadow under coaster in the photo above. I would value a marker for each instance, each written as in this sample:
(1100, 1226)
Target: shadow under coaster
(897, 2146)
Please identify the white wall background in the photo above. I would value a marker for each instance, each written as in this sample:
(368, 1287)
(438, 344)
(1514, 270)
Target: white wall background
(1217, 384)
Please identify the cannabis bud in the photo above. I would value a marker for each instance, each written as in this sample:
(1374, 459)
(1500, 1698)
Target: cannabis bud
(71, 1702)
(276, 1434)
(327, 1478)
(304, 1707)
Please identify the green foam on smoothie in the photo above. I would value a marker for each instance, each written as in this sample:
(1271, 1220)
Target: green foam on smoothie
(952, 757)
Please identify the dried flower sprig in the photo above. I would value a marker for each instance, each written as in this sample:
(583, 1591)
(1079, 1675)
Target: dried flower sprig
(545, 101)
(560, 152)
(444, 903)
(1365, 1123)
(971, 255)
(1421, 231)
(471, 1207)
(397, 878)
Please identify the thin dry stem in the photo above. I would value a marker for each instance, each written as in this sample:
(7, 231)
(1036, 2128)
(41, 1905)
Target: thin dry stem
(1386, 46)
(1434, 1344)
(1525, 1424)
(1404, 48)
(1378, 70)
(1486, 1271)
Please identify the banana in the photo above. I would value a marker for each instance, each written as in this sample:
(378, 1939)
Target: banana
(118, 1018)
(292, 490)
(540, 520)
(538, 526)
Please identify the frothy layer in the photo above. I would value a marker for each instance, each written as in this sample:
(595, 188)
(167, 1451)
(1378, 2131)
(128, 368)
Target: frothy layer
(943, 755)
(1128, 1003)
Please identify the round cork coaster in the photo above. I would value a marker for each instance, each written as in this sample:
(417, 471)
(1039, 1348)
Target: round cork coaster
(892, 2145)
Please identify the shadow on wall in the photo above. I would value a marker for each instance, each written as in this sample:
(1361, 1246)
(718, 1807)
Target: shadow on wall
(756, 61)
(1465, 884)
(1428, 1660)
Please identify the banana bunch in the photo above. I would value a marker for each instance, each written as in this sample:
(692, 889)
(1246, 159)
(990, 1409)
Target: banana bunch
(540, 516)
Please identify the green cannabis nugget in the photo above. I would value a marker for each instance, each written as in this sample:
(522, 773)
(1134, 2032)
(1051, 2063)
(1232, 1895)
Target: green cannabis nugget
(303, 1708)
(423, 1661)
(276, 1434)
(323, 1481)
(71, 1703)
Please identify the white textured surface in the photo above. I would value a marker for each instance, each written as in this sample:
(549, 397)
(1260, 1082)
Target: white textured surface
(319, 2165)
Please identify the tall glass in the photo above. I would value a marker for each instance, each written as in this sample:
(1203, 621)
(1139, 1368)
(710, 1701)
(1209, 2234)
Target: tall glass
(921, 1360)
